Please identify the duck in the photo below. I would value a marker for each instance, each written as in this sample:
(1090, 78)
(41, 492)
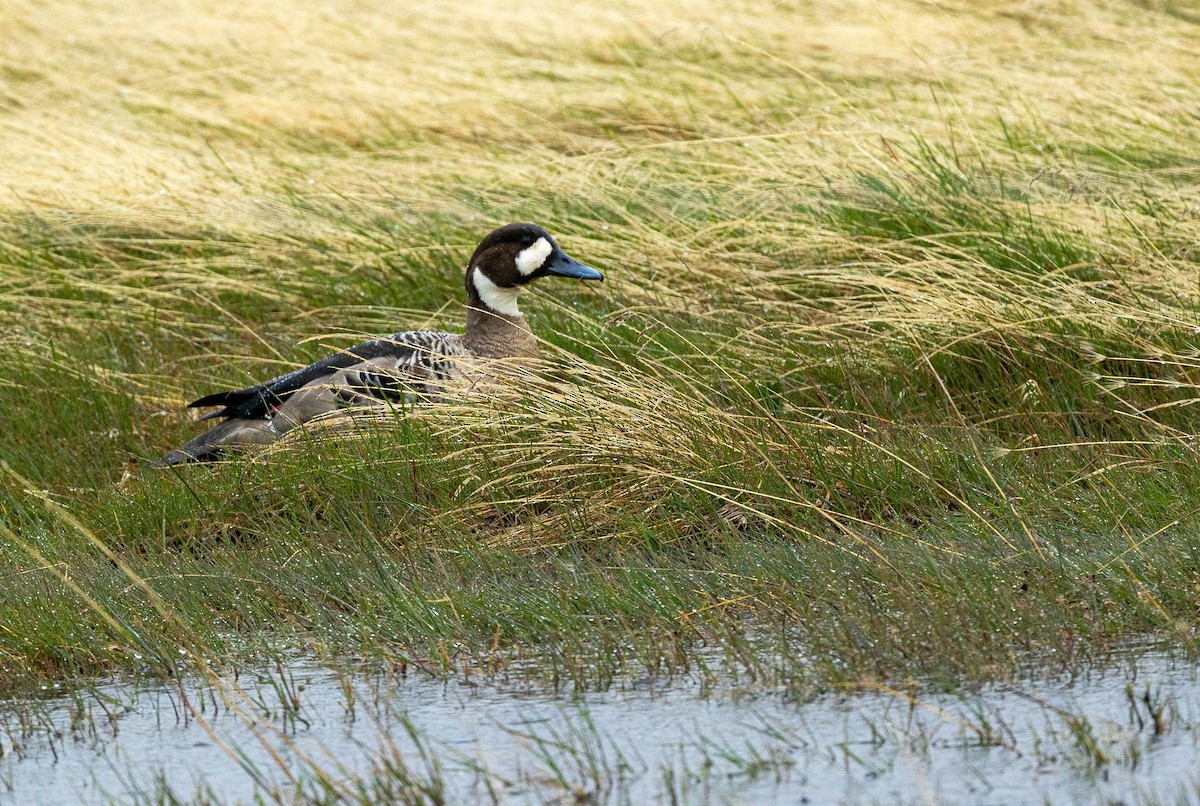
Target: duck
(401, 368)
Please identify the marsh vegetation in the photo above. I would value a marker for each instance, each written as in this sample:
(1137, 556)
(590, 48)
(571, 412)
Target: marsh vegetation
(890, 381)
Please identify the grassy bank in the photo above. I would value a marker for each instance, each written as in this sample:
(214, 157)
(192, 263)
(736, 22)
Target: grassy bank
(891, 375)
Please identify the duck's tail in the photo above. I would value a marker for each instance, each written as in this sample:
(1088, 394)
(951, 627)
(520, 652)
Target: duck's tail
(231, 436)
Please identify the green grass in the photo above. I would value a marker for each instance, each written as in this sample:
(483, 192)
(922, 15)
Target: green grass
(885, 382)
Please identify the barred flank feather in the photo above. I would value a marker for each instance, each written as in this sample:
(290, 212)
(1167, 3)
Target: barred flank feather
(400, 368)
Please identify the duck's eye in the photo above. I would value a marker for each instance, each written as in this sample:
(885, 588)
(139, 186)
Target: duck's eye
(526, 240)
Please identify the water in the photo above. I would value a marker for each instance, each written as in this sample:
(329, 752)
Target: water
(1084, 741)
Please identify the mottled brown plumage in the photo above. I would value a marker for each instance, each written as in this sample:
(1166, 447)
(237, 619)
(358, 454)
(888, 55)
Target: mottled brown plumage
(404, 367)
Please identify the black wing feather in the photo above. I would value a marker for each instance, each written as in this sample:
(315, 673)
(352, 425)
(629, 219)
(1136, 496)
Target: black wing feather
(255, 402)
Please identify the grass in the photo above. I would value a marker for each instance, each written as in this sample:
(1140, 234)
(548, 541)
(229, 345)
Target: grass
(892, 376)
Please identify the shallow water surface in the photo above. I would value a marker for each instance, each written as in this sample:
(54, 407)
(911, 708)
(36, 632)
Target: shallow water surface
(1126, 734)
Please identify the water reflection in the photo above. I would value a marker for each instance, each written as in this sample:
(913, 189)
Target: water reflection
(1125, 734)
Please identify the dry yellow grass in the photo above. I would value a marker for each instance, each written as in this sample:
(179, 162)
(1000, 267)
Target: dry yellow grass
(200, 110)
(211, 116)
(708, 150)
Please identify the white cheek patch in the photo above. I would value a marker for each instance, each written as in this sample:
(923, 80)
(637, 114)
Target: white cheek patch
(531, 258)
(500, 300)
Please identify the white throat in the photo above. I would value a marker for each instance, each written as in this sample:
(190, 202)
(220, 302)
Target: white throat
(500, 300)
(532, 257)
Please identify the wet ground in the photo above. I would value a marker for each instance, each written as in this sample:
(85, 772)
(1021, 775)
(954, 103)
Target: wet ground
(1125, 734)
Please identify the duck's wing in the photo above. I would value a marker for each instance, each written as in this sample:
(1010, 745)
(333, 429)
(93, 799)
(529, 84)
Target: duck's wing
(397, 368)
(378, 368)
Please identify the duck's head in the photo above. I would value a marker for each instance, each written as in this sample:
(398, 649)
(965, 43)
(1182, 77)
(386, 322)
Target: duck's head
(511, 258)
